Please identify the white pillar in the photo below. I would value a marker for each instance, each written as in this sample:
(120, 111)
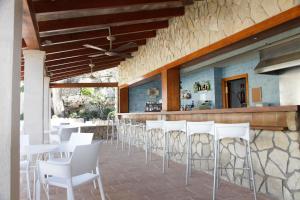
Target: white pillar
(34, 95)
(10, 57)
(47, 103)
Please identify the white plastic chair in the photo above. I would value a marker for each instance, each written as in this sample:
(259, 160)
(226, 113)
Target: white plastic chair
(194, 128)
(24, 160)
(82, 168)
(170, 126)
(240, 131)
(76, 139)
(151, 126)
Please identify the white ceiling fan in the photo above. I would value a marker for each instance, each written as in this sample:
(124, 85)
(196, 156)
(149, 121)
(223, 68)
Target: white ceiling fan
(112, 52)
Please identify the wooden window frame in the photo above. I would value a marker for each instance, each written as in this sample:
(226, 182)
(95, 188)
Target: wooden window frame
(224, 88)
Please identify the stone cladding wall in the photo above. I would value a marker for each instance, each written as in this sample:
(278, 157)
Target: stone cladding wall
(204, 23)
(275, 156)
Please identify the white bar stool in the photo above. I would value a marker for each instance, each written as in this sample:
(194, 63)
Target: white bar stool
(240, 131)
(194, 128)
(153, 126)
(110, 134)
(138, 138)
(126, 131)
(171, 126)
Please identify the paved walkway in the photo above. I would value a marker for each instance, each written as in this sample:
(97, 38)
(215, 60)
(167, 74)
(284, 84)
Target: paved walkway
(128, 178)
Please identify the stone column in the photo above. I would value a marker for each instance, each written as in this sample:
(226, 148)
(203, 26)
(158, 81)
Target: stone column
(47, 103)
(34, 95)
(10, 56)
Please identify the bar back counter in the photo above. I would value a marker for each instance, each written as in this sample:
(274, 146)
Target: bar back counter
(274, 144)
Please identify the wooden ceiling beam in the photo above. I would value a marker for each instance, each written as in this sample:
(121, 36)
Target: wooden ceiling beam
(115, 30)
(73, 60)
(83, 85)
(83, 54)
(82, 62)
(65, 5)
(65, 69)
(77, 73)
(109, 19)
(84, 67)
(75, 48)
(29, 26)
(99, 42)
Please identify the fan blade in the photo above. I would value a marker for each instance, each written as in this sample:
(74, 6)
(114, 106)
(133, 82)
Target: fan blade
(93, 47)
(126, 46)
(96, 55)
(125, 55)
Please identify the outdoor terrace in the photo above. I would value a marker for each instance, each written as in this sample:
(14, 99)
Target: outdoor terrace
(129, 178)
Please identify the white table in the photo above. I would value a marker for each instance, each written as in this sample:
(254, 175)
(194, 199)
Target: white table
(40, 149)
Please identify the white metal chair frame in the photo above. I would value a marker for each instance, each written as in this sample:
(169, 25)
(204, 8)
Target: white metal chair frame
(152, 126)
(194, 128)
(78, 170)
(240, 131)
(138, 138)
(169, 127)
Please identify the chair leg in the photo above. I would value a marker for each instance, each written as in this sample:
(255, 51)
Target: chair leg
(215, 170)
(187, 161)
(100, 183)
(219, 169)
(191, 156)
(251, 169)
(70, 192)
(145, 144)
(168, 149)
(150, 146)
(28, 185)
(129, 141)
(164, 152)
(248, 166)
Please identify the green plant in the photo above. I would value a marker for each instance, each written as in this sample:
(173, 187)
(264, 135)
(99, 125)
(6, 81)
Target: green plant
(87, 91)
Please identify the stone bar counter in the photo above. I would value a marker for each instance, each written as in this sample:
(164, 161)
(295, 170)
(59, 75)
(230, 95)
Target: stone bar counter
(274, 143)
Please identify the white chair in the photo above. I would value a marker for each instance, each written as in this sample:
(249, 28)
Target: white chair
(194, 128)
(82, 168)
(76, 139)
(152, 127)
(171, 126)
(138, 138)
(66, 131)
(126, 131)
(24, 160)
(110, 123)
(240, 131)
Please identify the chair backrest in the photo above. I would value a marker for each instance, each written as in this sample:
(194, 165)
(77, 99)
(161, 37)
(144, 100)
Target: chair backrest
(84, 158)
(154, 124)
(66, 131)
(81, 138)
(240, 130)
(200, 128)
(175, 126)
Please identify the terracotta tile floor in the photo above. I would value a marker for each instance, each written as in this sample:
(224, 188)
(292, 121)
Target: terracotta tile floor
(128, 178)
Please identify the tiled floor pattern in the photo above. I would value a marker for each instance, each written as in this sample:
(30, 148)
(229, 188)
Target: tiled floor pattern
(128, 178)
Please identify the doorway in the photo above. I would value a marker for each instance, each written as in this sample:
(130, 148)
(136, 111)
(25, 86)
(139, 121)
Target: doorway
(235, 91)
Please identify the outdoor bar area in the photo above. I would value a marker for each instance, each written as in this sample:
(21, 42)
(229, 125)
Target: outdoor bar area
(249, 77)
(150, 99)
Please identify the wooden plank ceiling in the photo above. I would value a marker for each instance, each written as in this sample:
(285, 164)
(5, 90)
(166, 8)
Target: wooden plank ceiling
(62, 27)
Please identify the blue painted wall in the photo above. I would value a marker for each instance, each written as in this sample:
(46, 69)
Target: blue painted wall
(245, 64)
(138, 95)
(242, 64)
(199, 75)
